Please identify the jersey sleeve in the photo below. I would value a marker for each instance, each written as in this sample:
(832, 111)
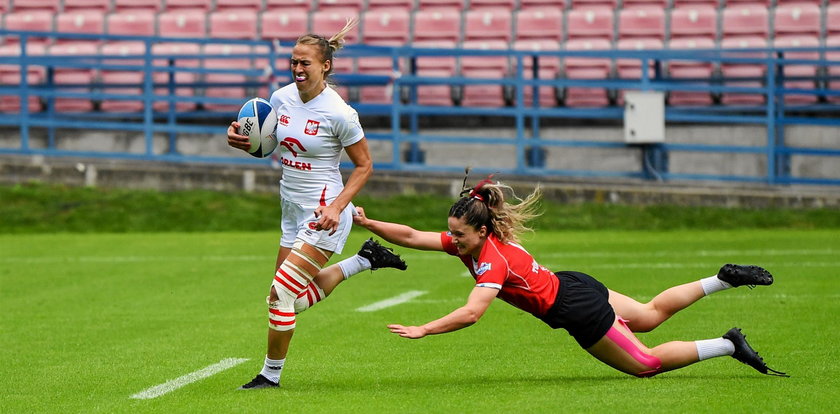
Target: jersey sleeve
(347, 127)
(448, 246)
(491, 274)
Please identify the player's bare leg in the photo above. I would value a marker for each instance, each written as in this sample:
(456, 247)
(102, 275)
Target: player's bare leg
(644, 317)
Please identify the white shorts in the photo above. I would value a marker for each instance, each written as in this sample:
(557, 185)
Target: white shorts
(298, 222)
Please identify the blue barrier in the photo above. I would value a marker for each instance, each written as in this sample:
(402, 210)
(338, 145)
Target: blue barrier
(404, 112)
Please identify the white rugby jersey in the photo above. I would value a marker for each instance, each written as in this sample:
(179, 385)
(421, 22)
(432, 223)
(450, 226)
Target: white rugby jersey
(310, 139)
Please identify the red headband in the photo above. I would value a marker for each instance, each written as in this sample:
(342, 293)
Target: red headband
(474, 192)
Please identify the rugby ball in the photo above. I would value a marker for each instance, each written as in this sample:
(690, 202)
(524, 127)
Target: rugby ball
(258, 121)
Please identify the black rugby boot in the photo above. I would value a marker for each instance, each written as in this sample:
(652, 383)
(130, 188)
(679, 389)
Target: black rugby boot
(381, 256)
(747, 355)
(738, 275)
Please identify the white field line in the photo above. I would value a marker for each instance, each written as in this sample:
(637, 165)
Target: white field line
(396, 300)
(179, 382)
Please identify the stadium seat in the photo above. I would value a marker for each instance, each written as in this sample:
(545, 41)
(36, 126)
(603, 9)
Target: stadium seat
(589, 68)
(798, 69)
(79, 21)
(832, 19)
(51, 6)
(344, 65)
(404, 5)
(386, 26)
(590, 23)
(549, 68)
(161, 77)
(645, 22)
(436, 25)
(204, 5)
(745, 20)
(303, 5)
(797, 18)
(342, 5)
(182, 23)
(543, 23)
(833, 70)
(684, 3)
(253, 5)
(102, 6)
(29, 20)
(478, 67)
(4, 6)
(283, 24)
(132, 23)
(488, 24)
(449, 5)
(375, 66)
(693, 22)
(233, 24)
(688, 69)
(435, 66)
(596, 4)
(72, 75)
(508, 5)
(540, 4)
(10, 75)
(743, 70)
(731, 3)
(148, 5)
(225, 63)
(123, 76)
(330, 21)
(660, 5)
(632, 68)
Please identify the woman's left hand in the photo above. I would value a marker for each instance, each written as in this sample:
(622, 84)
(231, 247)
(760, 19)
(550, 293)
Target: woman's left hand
(411, 332)
(328, 218)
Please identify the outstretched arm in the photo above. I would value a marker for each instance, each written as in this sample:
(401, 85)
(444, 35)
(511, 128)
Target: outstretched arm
(399, 234)
(462, 317)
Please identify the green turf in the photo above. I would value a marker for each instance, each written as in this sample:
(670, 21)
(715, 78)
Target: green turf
(90, 319)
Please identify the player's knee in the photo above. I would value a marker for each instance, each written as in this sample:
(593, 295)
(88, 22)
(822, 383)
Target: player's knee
(281, 313)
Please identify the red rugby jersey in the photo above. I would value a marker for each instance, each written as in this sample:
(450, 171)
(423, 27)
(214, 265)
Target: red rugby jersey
(511, 269)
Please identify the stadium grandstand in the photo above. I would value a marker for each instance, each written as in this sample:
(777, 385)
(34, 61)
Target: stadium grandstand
(749, 89)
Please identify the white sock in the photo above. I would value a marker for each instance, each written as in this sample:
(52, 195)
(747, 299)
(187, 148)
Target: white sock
(352, 265)
(713, 284)
(710, 348)
(271, 369)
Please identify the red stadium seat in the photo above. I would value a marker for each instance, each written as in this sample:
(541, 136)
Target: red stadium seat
(661, 5)
(647, 22)
(121, 76)
(101, 6)
(253, 5)
(477, 67)
(694, 22)
(798, 69)
(386, 26)
(4, 6)
(543, 23)
(342, 5)
(304, 5)
(488, 24)
(40, 5)
(745, 20)
(233, 24)
(148, 5)
(205, 5)
(832, 19)
(687, 69)
(509, 5)
(456, 5)
(29, 20)
(68, 75)
(549, 68)
(405, 5)
(344, 65)
(182, 23)
(587, 68)
(797, 18)
(598, 4)
(834, 70)
(283, 24)
(176, 49)
(540, 4)
(435, 66)
(632, 68)
(132, 23)
(330, 21)
(225, 63)
(731, 3)
(683, 3)
(376, 94)
(10, 75)
(80, 21)
(590, 23)
(437, 25)
(743, 70)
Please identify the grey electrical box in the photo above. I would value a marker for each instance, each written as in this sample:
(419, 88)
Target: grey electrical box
(644, 117)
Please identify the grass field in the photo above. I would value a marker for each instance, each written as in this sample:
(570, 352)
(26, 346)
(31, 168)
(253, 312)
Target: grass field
(89, 320)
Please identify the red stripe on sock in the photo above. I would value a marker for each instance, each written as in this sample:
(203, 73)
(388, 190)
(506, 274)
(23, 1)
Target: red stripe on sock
(286, 284)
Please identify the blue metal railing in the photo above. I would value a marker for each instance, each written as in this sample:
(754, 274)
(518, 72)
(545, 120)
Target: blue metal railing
(404, 112)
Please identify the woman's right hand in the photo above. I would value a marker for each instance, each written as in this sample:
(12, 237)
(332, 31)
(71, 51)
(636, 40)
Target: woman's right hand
(235, 140)
(359, 218)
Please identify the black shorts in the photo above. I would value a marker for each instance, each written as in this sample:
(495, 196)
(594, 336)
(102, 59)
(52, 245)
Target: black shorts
(582, 307)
